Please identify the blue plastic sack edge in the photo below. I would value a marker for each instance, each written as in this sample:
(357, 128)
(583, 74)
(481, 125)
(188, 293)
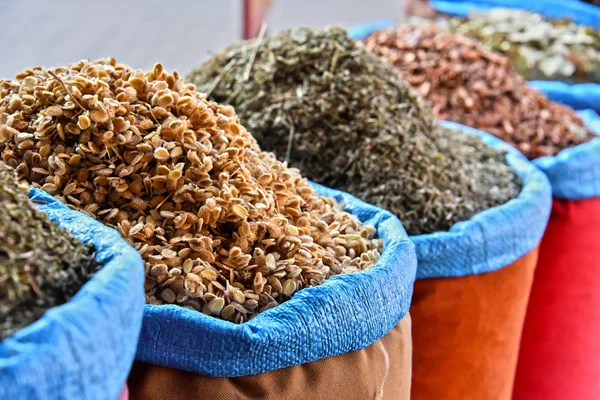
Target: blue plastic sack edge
(579, 96)
(84, 348)
(493, 238)
(346, 313)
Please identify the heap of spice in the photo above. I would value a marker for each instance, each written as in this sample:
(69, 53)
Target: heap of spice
(470, 85)
(345, 119)
(538, 48)
(222, 227)
(41, 265)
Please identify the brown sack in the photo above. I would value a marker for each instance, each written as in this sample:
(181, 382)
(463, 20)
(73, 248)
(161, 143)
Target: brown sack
(466, 333)
(381, 371)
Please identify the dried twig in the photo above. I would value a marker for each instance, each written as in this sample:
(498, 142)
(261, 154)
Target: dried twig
(259, 39)
(67, 90)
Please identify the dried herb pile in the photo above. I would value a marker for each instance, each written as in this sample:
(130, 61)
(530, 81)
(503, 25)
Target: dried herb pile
(223, 228)
(41, 265)
(537, 47)
(346, 120)
(470, 85)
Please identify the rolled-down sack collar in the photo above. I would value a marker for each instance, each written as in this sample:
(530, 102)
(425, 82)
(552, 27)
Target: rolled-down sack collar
(344, 314)
(85, 347)
(493, 238)
(575, 173)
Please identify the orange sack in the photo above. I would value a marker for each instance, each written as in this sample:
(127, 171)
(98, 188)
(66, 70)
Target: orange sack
(470, 298)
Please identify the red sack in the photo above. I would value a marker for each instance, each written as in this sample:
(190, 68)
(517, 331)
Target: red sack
(560, 347)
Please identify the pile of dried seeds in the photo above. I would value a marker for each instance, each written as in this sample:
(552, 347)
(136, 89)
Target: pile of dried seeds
(41, 265)
(467, 84)
(537, 47)
(345, 119)
(223, 227)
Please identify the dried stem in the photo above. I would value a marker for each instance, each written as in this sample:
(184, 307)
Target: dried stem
(259, 39)
(67, 89)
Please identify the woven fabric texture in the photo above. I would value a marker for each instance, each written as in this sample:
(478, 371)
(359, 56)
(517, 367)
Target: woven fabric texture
(574, 173)
(82, 349)
(580, 96)
(346, 313)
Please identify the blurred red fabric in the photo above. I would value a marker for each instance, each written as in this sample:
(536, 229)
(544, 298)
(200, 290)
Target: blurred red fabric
(255, 12)
(560, 348)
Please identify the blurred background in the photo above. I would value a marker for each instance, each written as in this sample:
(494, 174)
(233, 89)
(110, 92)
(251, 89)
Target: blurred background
(178, 33)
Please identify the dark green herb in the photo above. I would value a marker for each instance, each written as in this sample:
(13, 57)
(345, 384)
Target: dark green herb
(41, 265)
(345, 119)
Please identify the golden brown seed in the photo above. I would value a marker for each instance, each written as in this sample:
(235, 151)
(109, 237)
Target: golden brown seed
(289, 287)
(216, 305)
(188, 265)
(239, 211)
(209, 274)
(54, 111)
(161, 154)
(99, 116)
(84, 122)
(228, 312)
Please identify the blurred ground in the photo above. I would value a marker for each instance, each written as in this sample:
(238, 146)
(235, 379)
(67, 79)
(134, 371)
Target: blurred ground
(178, 33)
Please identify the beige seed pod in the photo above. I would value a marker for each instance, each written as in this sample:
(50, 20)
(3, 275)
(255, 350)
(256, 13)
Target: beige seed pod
(289, 287)
(84, 122)
(216, 305)
(161, 154)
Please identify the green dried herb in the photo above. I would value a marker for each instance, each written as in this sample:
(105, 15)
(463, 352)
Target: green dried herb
(538, 48)
(41, 265)
(346, 120)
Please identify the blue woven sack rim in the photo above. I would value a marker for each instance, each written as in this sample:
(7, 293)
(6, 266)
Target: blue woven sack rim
(493, 238)
(580, 96)
(582, 13)
(84, 348)
(346, 313)
(574, 173)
